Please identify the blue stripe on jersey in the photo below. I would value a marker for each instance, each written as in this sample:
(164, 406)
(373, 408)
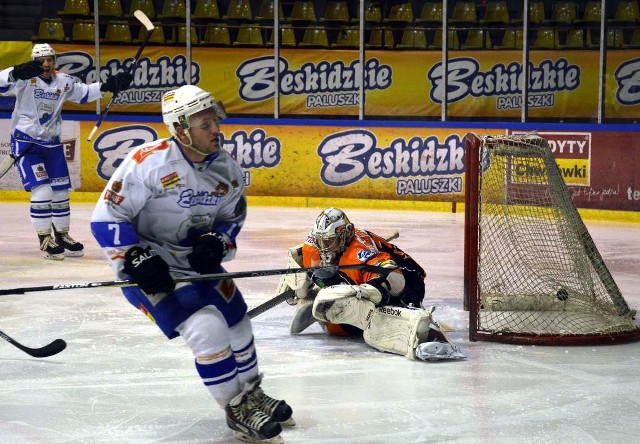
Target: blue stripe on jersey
(217, 372)
(114, 234)
(84, 98)
(230, 230)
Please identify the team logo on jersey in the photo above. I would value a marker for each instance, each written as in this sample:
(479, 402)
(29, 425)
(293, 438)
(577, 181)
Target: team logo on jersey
(189, 198)
(115, 254)
(113, 197)
(170, 180)
(39, 171)
(146, 151)
(365, 255)
(116, 186)
(221, 190)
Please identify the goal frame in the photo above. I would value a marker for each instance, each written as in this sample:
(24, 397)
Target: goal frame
(472, 301)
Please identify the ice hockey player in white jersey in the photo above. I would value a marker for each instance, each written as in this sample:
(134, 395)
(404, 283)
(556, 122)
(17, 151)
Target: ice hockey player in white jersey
(36, 130)
(386, 308)
(174, 208)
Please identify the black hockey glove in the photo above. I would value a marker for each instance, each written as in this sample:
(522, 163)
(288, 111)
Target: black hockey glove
(207, 254)
(148, 270)
(26, 71)
(117, 83)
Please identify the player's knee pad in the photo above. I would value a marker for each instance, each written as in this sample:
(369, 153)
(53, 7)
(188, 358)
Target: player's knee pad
(345, 304)
(206, 334)
(60, 197)
(244, 349)
(397, 329)
(41, 195)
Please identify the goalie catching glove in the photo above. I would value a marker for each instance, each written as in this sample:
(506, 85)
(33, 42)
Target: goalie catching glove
(148, 270)
(208, 251)
(26, 71)
(117, 83)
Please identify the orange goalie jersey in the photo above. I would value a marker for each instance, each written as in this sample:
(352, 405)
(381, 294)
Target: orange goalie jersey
(371, 249)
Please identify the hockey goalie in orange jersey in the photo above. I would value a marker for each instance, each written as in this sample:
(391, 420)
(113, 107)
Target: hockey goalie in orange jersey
(385, 307)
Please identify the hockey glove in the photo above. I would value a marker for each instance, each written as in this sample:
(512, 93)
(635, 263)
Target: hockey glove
(148, 270)
(26, 71)
(207, 254)
(117, 83)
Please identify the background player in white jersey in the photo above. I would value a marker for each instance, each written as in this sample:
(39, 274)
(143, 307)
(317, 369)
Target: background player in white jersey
(386, 308)
(36, 128)
(173, 208)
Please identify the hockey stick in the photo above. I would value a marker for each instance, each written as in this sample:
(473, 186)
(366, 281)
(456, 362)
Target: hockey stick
(276, 300)
(202, 277)
(43, 352)
(142, 17)
(10, 161)
(268, 305)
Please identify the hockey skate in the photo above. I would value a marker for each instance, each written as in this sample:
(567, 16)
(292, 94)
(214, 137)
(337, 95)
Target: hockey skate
(437, 351)
(277, 409)
(250, 424)
(72, 248)
(50, 249)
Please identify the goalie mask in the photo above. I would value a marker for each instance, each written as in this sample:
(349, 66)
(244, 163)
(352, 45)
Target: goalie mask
(179, 104)
(332, 232)
(42, 50)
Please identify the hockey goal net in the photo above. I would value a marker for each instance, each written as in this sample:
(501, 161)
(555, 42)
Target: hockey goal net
(533, 274)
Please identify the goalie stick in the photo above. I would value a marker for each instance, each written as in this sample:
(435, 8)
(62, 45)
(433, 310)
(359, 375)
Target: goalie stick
(142, 18)
(43, 352)
(202, 277)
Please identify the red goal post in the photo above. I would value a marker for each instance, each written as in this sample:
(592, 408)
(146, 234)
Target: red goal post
(532, 273)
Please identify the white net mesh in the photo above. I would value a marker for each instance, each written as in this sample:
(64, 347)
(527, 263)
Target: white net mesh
(539, 271)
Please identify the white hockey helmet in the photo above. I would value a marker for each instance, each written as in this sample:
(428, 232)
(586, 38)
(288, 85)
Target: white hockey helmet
(42, 50)
(332, 232)
(179, 104)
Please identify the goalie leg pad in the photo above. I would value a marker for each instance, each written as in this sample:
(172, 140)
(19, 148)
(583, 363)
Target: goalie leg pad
(397, 329)
(344, 304)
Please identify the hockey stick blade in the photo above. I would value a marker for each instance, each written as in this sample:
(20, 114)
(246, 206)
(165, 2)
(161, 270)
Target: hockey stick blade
(43, 352)
(202, 277)
(142, 18)
(6, 165)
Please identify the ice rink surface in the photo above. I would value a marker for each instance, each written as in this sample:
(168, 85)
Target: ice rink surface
(121, 381)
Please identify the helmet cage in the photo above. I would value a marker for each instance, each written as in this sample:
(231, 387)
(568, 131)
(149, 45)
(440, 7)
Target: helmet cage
(332, 233)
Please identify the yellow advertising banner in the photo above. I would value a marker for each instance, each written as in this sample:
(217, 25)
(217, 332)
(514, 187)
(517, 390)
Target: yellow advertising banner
(312, 161)
(480, 84)
(622, 87)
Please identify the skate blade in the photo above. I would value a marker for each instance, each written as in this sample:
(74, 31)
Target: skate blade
(53, 257)
(69, 253)
(288, 423)
(246, 438)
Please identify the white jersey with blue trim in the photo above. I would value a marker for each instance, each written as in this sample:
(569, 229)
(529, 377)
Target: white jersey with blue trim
(157, 196)
(38, 109)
